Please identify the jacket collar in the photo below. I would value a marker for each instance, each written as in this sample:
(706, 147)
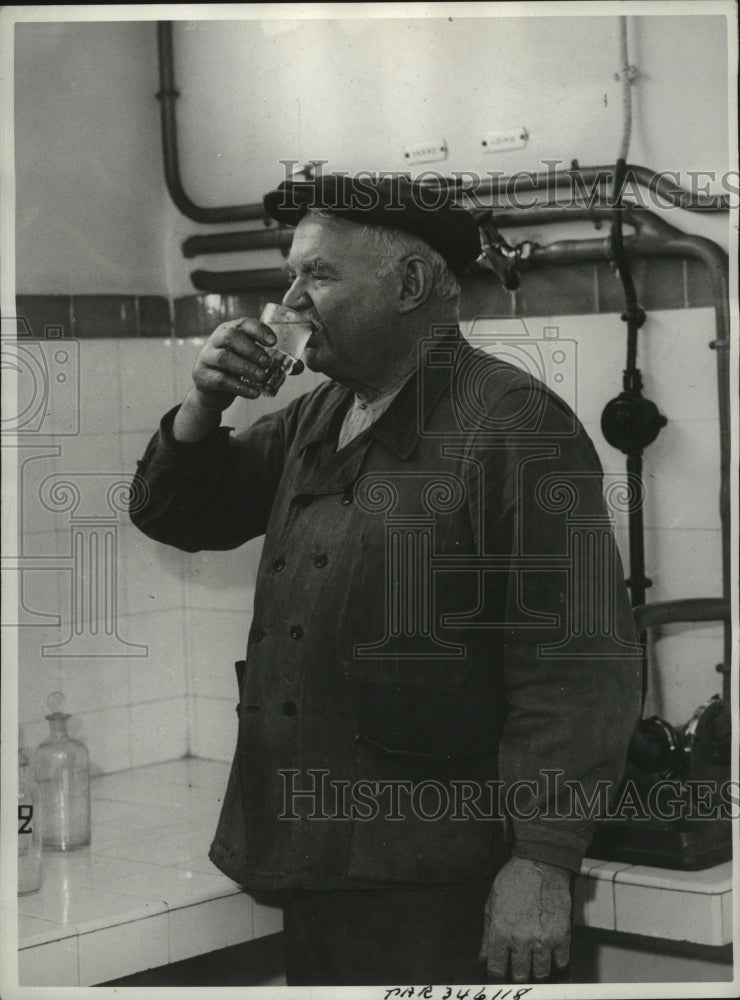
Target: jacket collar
(326, 422)
(405, 419)
(400, 426)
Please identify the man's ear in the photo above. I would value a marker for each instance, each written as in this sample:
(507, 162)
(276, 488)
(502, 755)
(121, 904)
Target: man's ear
(416, 283)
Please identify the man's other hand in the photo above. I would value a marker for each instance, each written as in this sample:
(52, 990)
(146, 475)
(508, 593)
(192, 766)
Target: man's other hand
(527, 920)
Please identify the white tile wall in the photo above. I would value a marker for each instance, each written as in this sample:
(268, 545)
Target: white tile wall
(215, 639)
(148, 390)
(681, 476)
(95, 685)
(223, 580)
(683, 563)
(158, 731)
(109, 736)
(161, 673)
(214, 727)
(100, 387)
(192, 612)
(152, 576)
(682, 670)
(35, 466)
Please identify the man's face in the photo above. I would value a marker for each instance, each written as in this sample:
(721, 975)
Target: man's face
(334, 283)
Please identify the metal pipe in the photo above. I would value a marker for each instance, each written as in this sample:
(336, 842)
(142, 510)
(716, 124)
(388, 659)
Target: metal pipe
(583, 182)
(625, 76)
(634, 316)
(167, 97)
(690, 609)
(280, 238)
(238, 281)
(257, 239)
(658, 184)
(637, 582)
(654, 237)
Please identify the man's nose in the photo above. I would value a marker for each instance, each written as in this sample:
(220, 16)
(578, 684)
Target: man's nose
(296, 297)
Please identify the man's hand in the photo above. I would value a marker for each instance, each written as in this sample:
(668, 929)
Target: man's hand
(231, 363)
(528, 918)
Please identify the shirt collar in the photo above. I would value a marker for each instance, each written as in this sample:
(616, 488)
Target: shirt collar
(400, 426)
(405, 419)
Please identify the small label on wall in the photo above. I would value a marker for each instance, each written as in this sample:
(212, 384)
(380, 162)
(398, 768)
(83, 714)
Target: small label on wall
(501, 140)
(426, 152)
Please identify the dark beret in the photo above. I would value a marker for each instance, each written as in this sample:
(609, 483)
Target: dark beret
(426, 211)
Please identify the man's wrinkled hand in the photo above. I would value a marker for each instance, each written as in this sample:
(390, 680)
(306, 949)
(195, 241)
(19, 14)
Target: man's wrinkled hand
(527, 921)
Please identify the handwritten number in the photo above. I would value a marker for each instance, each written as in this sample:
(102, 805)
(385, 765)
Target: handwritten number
(25, 814)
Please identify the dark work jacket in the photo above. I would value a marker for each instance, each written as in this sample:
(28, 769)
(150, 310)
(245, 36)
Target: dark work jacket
(439, 607)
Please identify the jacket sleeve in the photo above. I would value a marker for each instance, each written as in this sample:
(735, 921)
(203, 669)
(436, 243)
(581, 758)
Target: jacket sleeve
(212, 494)
(572, 665)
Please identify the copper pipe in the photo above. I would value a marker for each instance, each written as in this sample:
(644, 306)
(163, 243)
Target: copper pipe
(691, 609)
(654, 237)
(167, 97)
(538, 214)
(256, 239)
(239, 281)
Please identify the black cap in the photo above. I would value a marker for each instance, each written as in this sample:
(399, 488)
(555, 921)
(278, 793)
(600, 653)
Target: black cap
(426, 211)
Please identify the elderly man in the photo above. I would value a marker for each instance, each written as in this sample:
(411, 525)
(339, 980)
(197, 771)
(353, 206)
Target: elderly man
(441, 641)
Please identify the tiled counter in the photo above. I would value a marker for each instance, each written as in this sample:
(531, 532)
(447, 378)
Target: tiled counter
(145, 894)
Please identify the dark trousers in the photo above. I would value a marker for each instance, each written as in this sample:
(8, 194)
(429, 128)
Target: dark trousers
(394, 936)
(371, 937)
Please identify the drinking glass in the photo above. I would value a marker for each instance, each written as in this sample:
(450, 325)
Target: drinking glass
(293, 332)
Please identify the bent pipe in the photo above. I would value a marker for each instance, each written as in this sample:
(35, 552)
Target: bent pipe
(233, 282)
(257, 239)
(167, 97)
(655, 182)
(690, 609)
(280, 238)
(654, 237)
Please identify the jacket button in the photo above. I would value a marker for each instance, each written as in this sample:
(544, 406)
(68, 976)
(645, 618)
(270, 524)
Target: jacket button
(257, 634)
(296, 632)
(278, 564)
(320, 561)
(289, 708)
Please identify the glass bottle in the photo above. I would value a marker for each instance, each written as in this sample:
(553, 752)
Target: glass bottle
(63, 776)
(29, 828)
